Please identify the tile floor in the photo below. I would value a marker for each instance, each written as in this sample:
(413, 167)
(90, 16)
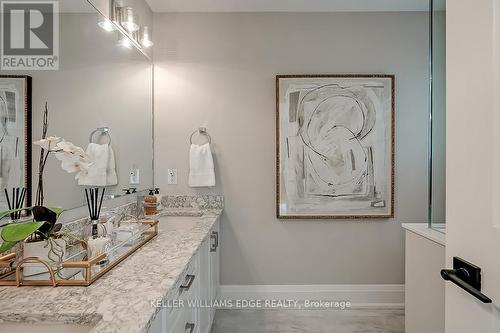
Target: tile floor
(309, 321)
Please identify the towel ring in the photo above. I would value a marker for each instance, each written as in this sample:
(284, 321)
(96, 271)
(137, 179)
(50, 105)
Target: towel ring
(201, 131)
(103, 131)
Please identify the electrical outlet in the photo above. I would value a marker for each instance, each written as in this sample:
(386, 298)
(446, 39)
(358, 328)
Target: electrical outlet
(134, 176)
(172, 176)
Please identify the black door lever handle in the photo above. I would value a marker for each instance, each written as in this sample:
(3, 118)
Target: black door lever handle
(453, 276)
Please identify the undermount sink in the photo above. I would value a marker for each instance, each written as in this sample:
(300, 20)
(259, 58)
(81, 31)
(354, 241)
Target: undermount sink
(15, 327)
(178, 222)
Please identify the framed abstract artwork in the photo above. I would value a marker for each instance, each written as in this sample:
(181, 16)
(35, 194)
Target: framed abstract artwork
(334, 146)
(15, 136)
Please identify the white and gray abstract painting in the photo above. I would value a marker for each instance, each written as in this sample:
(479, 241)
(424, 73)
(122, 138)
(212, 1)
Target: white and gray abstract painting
(335, 146)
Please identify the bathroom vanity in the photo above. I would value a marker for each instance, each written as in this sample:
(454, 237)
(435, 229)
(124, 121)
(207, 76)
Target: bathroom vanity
(147, 292)
(187, 307)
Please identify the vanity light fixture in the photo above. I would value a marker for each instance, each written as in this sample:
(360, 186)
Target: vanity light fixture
(123, 19)
(129, 21)
(107, 25)
(115, 13)
(146, 38)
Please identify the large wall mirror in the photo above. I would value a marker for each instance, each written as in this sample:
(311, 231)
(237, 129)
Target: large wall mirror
(102, 93)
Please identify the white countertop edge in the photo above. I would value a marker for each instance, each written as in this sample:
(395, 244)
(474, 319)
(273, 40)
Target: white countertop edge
(422, 229)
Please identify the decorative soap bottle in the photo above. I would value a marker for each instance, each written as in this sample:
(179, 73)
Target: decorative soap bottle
(150, 203)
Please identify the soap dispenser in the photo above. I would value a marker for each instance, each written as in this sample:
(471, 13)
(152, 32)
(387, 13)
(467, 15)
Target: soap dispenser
(158, 195)
(150, 203)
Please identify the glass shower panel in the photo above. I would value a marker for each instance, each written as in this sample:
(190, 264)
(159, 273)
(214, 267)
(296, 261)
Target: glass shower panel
(437, 193)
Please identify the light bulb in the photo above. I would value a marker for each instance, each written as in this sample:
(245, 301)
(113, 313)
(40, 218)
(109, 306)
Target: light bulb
(146, 39)
(125, 42)
(128, 20)
(107, 25)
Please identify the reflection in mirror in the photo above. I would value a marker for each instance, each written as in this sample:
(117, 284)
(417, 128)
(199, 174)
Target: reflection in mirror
(131, 18)
(15, 141)
(100, 99)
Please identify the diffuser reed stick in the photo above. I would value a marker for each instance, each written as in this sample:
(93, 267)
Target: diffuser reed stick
(16, 201)
(94, 206)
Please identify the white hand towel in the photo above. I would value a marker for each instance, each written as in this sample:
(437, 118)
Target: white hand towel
(201, 166)
(111, 178)
(96, 175)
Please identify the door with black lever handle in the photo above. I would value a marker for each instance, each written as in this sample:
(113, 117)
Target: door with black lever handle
(467, 276)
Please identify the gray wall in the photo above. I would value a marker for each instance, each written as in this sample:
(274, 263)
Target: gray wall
(218, 70)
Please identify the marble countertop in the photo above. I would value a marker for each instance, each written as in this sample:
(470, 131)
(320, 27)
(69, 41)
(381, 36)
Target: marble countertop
(120, 301)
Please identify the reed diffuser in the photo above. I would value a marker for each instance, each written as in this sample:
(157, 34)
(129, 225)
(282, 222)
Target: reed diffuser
(94, 204)
(16, 201)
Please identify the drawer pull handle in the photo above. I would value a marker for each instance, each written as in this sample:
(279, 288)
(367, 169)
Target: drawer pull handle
(213, 247)
(215, 244)
(190, 327)
(190, 279)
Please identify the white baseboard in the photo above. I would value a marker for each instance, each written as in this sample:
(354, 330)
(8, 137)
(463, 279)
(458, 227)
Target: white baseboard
(386, 296)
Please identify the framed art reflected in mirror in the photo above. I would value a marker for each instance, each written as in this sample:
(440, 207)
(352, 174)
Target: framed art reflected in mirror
(15, 138)
(335, 146)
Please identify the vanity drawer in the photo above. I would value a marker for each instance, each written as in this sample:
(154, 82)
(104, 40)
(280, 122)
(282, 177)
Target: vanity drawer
(183, 286)
(186, 289)
(186, 314)
(185, 322)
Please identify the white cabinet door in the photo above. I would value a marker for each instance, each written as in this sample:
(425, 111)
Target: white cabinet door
(202, 277)
(185, 322)
(187, 292)
(191, 295)
(157, 324)
(214, 264)
(205, 319)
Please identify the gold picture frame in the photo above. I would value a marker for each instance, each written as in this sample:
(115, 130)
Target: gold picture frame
(357, 91)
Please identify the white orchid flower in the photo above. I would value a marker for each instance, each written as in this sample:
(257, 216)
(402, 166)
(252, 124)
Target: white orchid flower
(48, 143)
(73, 158)
(69, 147)
(71, 163)
(66, 157)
